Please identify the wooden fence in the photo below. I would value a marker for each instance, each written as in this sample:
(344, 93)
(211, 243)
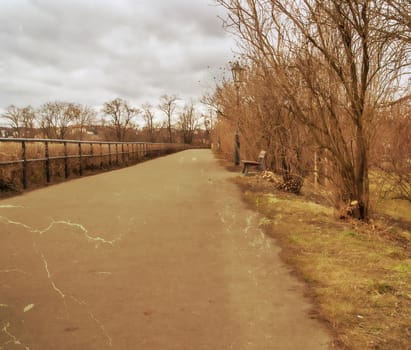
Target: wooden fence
(61, 158)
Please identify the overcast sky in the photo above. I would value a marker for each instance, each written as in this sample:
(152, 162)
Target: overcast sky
(92, 51)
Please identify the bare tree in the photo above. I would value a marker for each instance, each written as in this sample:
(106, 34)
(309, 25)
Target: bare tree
(266, 123)
(57, 117)
(21, 120)
(391, 155)
(84, 116)
(168, 106)
(397, 18)
(208, 122)
(148, 116)
(13, 117)
(122, 115)
(332, 67)
(188, 122)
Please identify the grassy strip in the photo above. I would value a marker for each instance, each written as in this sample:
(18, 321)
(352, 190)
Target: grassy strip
(359, 275)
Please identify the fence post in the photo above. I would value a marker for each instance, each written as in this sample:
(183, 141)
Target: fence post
(46, 153)
(80, 159)
(91, 157)
(109, 155)
(66, 174)
(23, 154)
(116, 153)
(101, 156)
(122, 153)
(128, 153)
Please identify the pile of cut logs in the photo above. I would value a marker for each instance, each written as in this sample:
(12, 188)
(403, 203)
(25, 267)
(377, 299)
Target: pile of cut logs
(291, 183)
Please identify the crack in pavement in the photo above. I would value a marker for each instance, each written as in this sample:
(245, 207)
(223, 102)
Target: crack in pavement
(103, 329)
(79, 302)
(95, 319)
(13, 338)
(60, 292)
(60, 222)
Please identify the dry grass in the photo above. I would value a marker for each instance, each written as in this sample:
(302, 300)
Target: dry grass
(358, 275)
(11, 175)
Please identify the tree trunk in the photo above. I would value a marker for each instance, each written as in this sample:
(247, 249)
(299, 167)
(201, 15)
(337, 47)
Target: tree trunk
(362, 189)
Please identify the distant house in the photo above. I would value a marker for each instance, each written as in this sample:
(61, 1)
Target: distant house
(77, 131)
(6, 132)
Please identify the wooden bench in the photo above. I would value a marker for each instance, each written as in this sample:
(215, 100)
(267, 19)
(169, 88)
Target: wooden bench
(260, 163)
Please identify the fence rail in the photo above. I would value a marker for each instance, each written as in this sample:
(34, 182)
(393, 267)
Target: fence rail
(75, 155)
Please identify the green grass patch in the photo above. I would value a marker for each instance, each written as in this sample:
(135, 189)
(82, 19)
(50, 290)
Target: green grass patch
(359, 275)
(403, 267)
(396, 208)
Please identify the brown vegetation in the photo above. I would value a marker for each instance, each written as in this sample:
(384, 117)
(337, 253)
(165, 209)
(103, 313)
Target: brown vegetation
(168, 106)
(121, 116)
(119, 121)
(54, 161)
(391, 154)
(319, 74)
(55, 119)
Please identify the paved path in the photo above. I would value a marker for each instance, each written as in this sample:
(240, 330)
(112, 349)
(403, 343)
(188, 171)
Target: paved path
(161, 255)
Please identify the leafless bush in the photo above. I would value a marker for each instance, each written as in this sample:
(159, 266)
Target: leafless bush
(392, 151)
(324, 68)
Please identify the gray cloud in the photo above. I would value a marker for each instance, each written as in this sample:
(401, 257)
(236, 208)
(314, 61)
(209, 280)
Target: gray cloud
(89, 51)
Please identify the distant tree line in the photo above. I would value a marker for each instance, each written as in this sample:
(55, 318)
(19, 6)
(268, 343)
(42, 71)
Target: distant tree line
(326, 91)
(117, 120)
